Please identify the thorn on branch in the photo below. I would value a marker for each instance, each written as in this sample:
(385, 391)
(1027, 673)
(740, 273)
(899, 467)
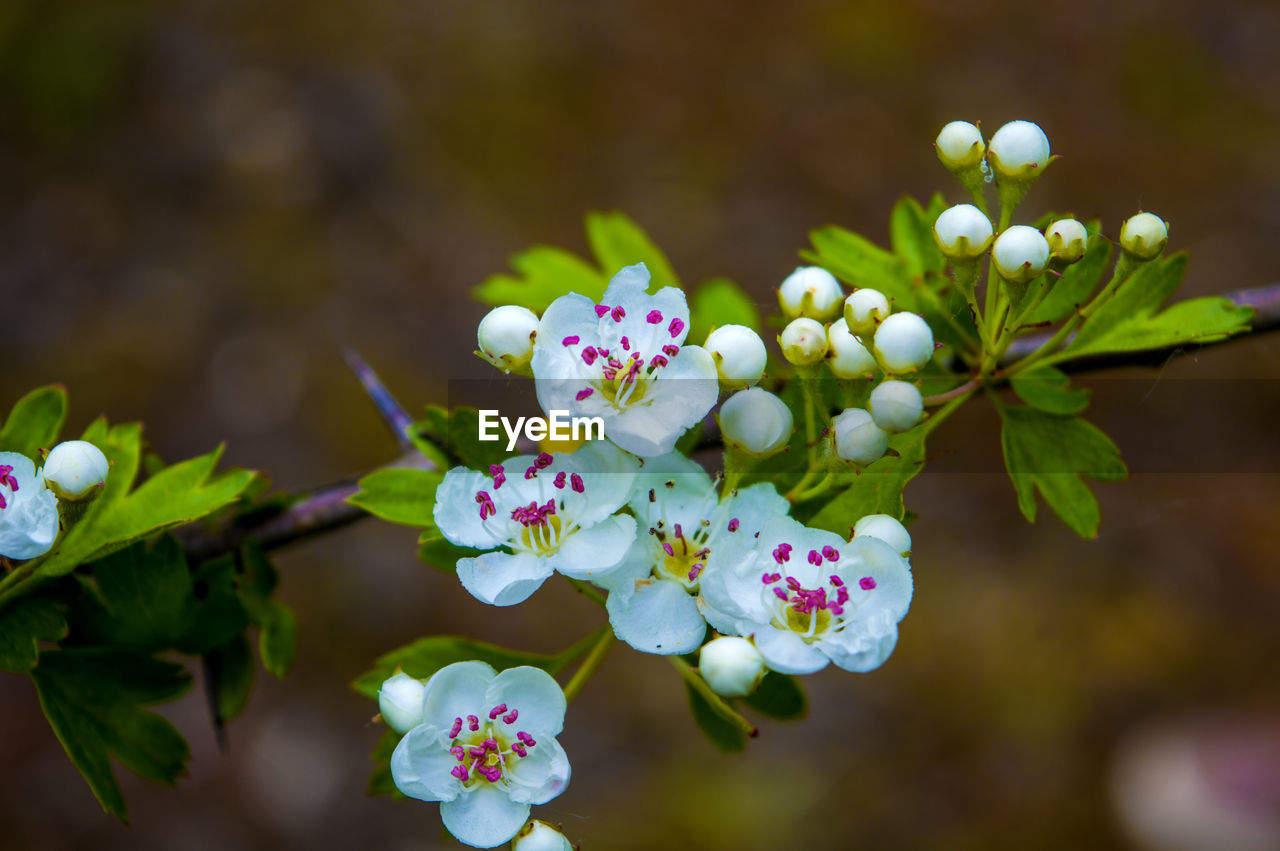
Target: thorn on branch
(396, 418)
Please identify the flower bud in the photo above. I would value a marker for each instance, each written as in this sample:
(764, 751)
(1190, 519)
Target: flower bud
(858, 438)
(739, 354)
(1067, 240)
(803, 341)
(1019, 150)
(896, 405)
(1020, 254)
(885, 528)
(959, 145)
(400, 702)
(537, 835)
(75, 470)
(1144, 236)
(810, 291)
(732, 666)
(963, 232)
(864, 310)
(506, 337)
(755, 421)
(904, 343)
(846, 355)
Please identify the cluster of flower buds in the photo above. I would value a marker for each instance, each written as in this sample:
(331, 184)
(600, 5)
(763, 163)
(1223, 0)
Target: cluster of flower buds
(74, 471)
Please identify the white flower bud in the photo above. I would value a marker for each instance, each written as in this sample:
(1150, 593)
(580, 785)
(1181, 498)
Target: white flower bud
(885, 528)
(904, 343)
(1067, 240)
(755, 421)
(506, 337)
(1144, 236)
(803, 341)
(810, 291)
(858, 438)
(959, 145)
(732, 666)
(864, 310)
(739, 354)
(400, 702)
(537, 835)
(896, 405)
(963, 232)
(1019, 150)
(846, 355)
(75, 469)
(1020, 254)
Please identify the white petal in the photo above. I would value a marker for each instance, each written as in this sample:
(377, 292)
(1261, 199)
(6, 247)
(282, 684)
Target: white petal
(872, 557)
(675, 489)
(535, 693)
(682, 394)
(722, 622)
(484, 817)
(29, 522)
(786, 652)
(657, 616)
(608, 476)
(854, 650)
(456, 691)
(636, 564)
(420, 766)
(542, 775)
(458, 515)
(589, 553)
(752, 507)
(502, 579)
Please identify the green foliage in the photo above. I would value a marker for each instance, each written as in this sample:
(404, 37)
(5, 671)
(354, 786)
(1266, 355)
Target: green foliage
(23, 624)
(449, 437)
(859, 262)
(34, 421)
(380, 780)
(93, 698)
(1049, 390)
(911, 235)
(877, 489)
(425, 656)
(779, 697)
(230, 669)
(722, 734)
(437, 551)
(718, 302)
(618, 242)
(277, 627)
(1050, 452)
(405, 496)
(1077, 283)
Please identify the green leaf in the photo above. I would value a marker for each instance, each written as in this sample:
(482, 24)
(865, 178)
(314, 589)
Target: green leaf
(438, 552)
(911, 235)
(617, 241)
(399, 495)
(278, 640)
(861, 263)
(23, 624)
(722, 734)
(779, 696)
(277, 626)
(230, 670)
(380, 781)
(34, 421)
(92, 698)
(1050, 453)
(718, 302)
(1049, 390)
(1077, 283)
(425, 656)
(543, 274)
(457, 432)
(878, 489)
(1131, 319)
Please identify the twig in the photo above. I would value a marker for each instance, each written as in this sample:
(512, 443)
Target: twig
(396, 418)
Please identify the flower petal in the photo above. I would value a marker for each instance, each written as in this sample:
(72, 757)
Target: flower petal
(455, 691)
(29, 522)
(656, 616)
(535, 693)
(890, 597)
(858, 651)
(787, 653)
(540, 776)
(420, 766)
(503, 579)
(457, 514)
(483, 817)
(589, 553)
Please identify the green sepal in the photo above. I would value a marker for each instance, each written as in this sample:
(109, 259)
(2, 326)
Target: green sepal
(725, 736)
(780, 697)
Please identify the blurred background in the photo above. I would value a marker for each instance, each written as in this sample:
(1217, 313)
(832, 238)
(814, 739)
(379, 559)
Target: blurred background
(203, 201)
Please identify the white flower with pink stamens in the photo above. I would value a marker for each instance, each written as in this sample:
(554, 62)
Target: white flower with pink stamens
(486, 749)
(808, 597)
(538, 514)
(683, 525)
(623, 360)
(28, 509)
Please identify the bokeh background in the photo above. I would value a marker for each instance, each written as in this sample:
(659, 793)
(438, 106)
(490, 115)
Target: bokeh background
(203, 201)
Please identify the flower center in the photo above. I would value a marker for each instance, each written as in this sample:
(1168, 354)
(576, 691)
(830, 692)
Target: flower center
(682, 558)
(543, 537)
(487, 750)
(625, 372)
(7, 480)
(810, 612)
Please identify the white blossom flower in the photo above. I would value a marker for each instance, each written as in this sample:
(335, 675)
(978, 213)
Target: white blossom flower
(812, 292)
(28, 509)
(683, 523)
(623, 361)
(1019, 150)
(864, 310)
(505, 337)
(75, 470)
(1068, 239)
(739, 354)
(904, 343)
(803, 341)
(896, 405)
(1144, 235)
(756, 421)
(846, 355)
(538, 515)
(400, 702)
(857, 438)
(1020, 253)
(959, 145)
(963, 232)
(486, 749)
(807, 597)
(731, 665)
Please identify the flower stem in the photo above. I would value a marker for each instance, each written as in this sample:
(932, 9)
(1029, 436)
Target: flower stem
(589, 664)
(809, 493)
(717, 703)
(585, 589)
(968, 387)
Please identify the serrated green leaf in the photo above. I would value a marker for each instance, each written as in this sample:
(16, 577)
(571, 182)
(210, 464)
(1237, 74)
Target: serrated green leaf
(911, 235)
(34, 421)
(23, 624)
(92, 698)
(722, 734)
(718, 302)
(877, 490)
(278, 640)
(861, 263)
(405, 496)
(543, 274)
(425, 656)
(1077, 283)
(230, 669)
(1050, 453)
(380, 780)
(1049, 390)
(617, 241)
(780, 697)
(437, 551)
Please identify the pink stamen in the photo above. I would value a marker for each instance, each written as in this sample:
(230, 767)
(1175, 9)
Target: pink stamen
(582, 394)
(456, 729)
(830, 553)
(657, 360)
(815, 557)
(560, 479)
(670, 350)
(654, 317)
(519, 749)
(782, 553)
(733, 525)
(694, 571)
(589, 355)
(626, 344)
(510, 717)
(531, 473)
(487, 508)
(473, 723)
(670, 550)
(601, 310)
(526, 738)
(459, 752)
(618, 313)
(676, 326)
(604, 353)
(460, 772)
(781, 595)
(575, 482)
(543, 461)
(866, 583)
(837, 581)
(497, 710)
(571, 341)
(477, 751)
